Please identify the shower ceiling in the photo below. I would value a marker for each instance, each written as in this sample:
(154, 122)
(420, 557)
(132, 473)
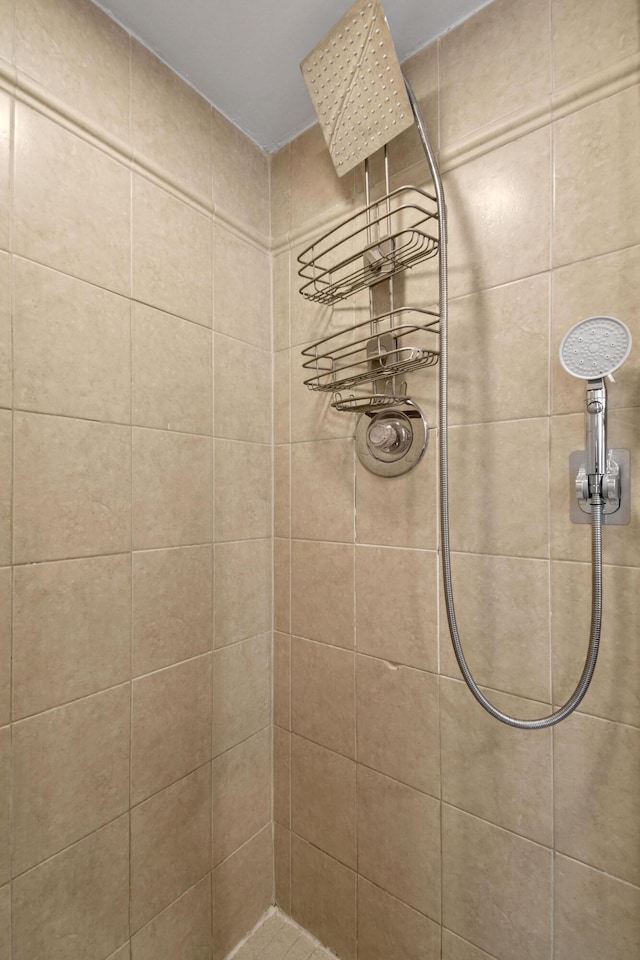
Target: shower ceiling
(244, 55)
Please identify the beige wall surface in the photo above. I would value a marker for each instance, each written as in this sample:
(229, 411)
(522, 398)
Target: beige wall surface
(135, 625)
(148, 457)
(410, 824)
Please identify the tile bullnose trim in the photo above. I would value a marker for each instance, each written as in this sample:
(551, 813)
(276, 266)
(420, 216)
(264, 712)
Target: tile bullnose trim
(570, 99)
(32, 94)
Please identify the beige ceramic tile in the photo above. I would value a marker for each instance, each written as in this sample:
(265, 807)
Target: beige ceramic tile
(170, 725)
(597, 194)
(322, 490)
(282, 680)
(282, 585)
(7, 21)
(502, 612)
(282, 867)
(421, 70)
(182, 930)
(170, 122)
(71, 774)
(312, 416)
(241, 691)
(79, 54)
(73, 217)
(273, 937)
(282, 777)
(597, 777)
(322, 695)
(240, 175)
(124, 953)
(242, 371)
(595, 915)
(497, 888)
(172, 489)
(243, 570)
(242, 891)
(397, 722)
(324, 898)
(282, 490)
(499, 215)
(406, 579)
(493, 64)
(243, 490)
(71, 630)
(406, 863)
(315, 186)
(241, 794)
(389, 928)
(500, 337)
(322, 587)
(171, 256)
(311, 321)
(453, 948)
(604, 286)
(170, 845)
(5, 331)
(588, 38)
(479, 755)
(510, 524)
(75, 906)
(242, 289)
(5, 645)
(71, 346)
(613, 693)
(171, 384)
(172, 606)
(72, 488)
(323, 799)
(5, 805)
(280, 296)
(281, 397)
(279, 174)
(5, 158)
(5, 486)
(413, 520)
(571, 541)
(5, 922)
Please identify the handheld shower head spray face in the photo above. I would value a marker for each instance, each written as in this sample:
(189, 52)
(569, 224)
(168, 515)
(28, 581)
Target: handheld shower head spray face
(595, 347)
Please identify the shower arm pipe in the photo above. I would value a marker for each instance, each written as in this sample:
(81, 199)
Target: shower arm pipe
(596, 500)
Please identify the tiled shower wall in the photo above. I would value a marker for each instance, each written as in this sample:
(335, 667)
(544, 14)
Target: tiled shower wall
(409, 824)
(135, 756)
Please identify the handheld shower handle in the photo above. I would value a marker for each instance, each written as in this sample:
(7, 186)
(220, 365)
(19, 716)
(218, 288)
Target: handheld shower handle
(596, 430)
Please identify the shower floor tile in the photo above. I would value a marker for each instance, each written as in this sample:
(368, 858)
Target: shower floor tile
(279, 938)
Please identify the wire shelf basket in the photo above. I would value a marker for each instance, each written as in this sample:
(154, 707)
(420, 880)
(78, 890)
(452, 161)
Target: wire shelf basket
(387, 236)
(379, 351)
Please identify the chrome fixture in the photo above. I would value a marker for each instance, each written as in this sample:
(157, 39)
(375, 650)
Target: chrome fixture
(366, 252)
(591, 350)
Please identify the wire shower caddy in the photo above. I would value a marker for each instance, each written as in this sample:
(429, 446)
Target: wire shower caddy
(365, 252)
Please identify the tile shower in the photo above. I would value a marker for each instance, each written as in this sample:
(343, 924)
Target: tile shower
(145, 796)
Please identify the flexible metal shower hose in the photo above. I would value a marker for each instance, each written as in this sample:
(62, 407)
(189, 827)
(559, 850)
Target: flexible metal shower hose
(596, 502)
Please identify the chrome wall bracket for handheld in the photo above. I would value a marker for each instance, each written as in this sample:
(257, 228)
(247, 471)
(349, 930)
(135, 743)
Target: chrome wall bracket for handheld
(615, 488)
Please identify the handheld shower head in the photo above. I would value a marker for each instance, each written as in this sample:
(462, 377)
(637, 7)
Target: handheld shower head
(595, 347)
(592, 350)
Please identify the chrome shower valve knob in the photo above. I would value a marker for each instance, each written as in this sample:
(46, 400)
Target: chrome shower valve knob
(389, 435)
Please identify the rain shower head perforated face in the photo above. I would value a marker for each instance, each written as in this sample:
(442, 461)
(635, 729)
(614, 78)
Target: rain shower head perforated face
(595, 347)
(356, 85)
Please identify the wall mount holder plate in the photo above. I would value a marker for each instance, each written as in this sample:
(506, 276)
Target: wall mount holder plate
(613, 513)
(392, 441)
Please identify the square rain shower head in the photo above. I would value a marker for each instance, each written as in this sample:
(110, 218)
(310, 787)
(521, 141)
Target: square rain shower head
(356, 86)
